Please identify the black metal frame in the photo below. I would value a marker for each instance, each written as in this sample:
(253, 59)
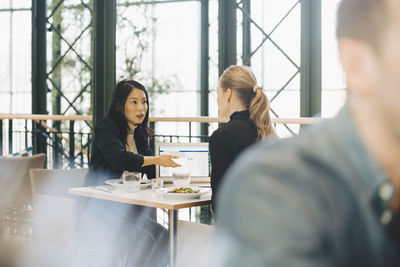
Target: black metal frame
(246, 47)
(311, 58)
(227, 49)
(39, 64)
(104, 55)
(204, 69)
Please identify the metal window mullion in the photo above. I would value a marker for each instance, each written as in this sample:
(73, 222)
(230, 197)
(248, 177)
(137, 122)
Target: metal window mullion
(56, 78)
(39, 87)
(204, 61)
(227, 34)
(311, 81)
(104, 15)
(246, 49)
(39, 64)
(56, 55)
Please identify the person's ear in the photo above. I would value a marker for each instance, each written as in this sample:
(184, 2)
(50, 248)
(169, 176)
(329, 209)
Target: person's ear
(228, 94)
(360, 65)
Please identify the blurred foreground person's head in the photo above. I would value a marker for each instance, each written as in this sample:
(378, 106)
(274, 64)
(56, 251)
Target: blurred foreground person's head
(330, 196)
(368, 33)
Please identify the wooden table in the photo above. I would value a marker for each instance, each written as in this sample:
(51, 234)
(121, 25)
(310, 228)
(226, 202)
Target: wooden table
(147, 198)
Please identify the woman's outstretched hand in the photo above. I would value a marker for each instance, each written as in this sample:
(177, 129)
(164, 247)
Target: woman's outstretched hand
(166, 161)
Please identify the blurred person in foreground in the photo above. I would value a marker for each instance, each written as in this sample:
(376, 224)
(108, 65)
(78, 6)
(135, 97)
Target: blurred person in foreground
(242, 100)
(117, 232)
(329, 197)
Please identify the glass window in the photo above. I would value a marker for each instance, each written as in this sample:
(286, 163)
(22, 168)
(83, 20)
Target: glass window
(213, 61)
(276, 57)
(4, 5)
(21, 3)
(21, 67)
(333, 80)
(5, 57)
(15, 57)
(159, 45)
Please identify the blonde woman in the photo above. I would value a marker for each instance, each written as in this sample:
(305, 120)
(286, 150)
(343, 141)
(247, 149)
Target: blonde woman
(241, 99)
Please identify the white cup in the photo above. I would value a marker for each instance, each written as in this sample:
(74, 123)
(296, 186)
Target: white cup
(131, 181)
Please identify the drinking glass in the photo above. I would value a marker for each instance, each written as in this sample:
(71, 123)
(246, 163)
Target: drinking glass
(156, 184)
(181, 178)
(131, 181)
(181, 175)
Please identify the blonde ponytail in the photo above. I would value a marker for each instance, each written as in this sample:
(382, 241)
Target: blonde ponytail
(241, 80)
(259, 114)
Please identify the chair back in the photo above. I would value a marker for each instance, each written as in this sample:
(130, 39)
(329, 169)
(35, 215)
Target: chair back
(56, 182)
(54, 208)
(193, 244)
(15, 186)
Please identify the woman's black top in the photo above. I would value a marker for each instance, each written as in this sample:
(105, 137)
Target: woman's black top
(225, 145)
(109, 157)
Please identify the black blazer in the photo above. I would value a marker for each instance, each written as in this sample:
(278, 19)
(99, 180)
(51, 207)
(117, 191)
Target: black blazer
(109, 157)
(225, 145)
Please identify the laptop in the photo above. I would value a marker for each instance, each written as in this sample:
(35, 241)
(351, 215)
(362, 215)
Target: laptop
(194, 157)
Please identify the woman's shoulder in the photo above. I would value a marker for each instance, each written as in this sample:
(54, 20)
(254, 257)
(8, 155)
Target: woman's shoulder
(106, 124)
(220, 132)
(233, 126)
(234, 130)
(223, 132)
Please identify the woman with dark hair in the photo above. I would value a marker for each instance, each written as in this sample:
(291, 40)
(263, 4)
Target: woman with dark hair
(121, 232)
(120, 139)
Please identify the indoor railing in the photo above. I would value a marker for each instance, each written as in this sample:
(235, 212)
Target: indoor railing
(66, 139)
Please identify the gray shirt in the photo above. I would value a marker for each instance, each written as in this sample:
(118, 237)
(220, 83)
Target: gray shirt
(319, 199)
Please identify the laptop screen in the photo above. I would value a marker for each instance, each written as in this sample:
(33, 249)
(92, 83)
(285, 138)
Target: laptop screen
(194, 157)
